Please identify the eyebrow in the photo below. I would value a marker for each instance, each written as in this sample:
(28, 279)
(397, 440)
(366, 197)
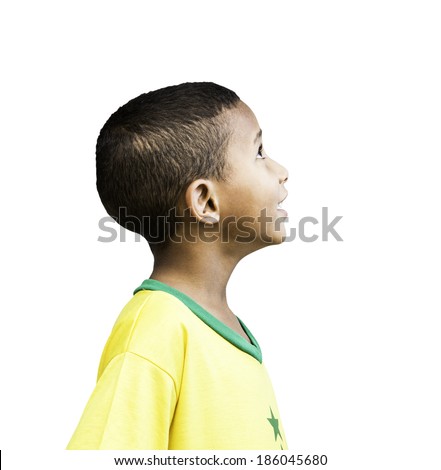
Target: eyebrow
(258, 136)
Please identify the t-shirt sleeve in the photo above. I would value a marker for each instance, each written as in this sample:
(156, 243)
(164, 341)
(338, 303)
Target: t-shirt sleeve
(131, 407)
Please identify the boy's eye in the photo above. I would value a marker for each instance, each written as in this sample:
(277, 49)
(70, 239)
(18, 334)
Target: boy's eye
(260, 153)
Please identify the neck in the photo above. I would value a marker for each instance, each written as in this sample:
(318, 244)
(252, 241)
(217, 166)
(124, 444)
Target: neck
(199, 271)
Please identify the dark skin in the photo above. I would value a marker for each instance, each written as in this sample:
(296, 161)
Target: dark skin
(255, 182)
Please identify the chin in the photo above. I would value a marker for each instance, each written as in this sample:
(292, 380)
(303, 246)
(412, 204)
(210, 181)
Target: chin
(275, 238)
(279, 238)
(279, 235)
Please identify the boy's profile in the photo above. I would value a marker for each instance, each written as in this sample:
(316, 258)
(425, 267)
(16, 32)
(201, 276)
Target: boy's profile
(184, 167)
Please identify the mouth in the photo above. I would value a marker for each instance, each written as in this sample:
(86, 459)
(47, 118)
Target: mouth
(280, 208)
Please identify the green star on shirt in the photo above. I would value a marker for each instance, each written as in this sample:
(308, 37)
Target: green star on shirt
(275, 424)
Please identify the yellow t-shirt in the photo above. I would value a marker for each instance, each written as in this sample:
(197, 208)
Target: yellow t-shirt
(172, 376)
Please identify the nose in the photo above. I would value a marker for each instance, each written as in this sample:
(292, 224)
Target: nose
(281, 172)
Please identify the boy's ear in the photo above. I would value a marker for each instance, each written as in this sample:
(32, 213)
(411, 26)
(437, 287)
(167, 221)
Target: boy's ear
(202, 201)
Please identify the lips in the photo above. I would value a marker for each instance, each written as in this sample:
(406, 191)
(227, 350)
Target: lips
(280, 209)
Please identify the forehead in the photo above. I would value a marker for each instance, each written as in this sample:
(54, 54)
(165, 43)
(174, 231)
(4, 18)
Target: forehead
(244, 125)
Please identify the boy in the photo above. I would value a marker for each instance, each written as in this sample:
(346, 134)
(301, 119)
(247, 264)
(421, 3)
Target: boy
(184, 166)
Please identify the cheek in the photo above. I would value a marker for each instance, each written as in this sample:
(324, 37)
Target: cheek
(250, 193)
(252, 202)
(265, 195)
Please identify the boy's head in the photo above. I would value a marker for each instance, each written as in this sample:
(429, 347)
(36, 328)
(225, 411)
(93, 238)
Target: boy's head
(151, 148)
(156, 146)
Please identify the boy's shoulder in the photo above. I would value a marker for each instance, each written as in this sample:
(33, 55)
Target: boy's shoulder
(153, 325)
(151, 311)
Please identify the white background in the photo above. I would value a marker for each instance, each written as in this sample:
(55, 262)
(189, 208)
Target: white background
(348, 95)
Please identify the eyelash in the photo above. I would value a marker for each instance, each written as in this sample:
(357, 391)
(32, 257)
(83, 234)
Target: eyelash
(260, 155)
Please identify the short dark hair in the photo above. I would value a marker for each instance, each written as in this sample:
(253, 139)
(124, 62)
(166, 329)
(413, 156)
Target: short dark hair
(154, 146)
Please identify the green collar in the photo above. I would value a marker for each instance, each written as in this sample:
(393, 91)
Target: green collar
(223, 330)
